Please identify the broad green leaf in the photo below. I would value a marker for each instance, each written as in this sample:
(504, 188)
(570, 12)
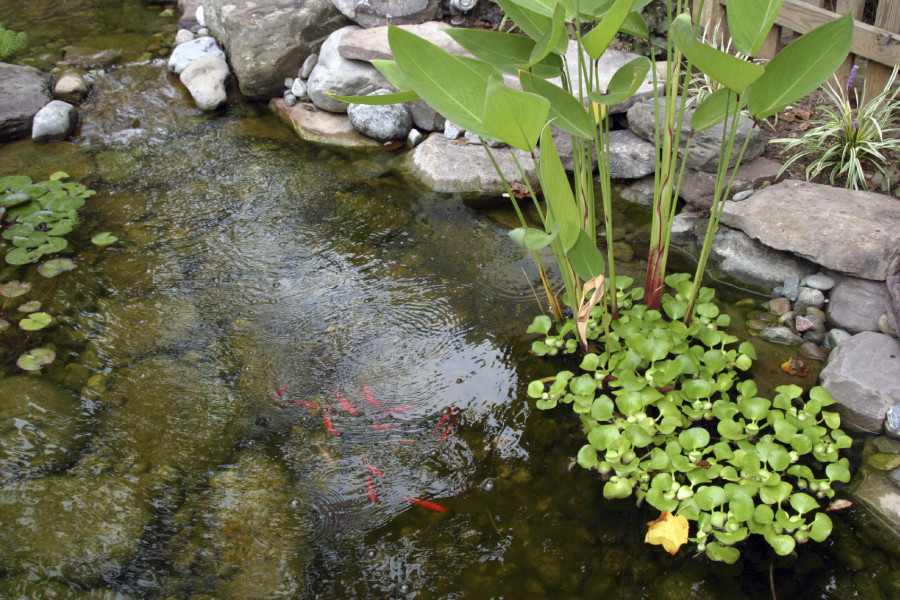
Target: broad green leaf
(52, 245)
(14, 288)
(22, 256)
(104, 239)
(638, 436)
(603, 437)
(732, 537)
(694, 389)
(620, 488)
(781, 544)
(803, 503)
(553, 39)
(454, 87)
(35, 358)
(540, 324)
(535, 389)
(533, 239)
(821, 395)
(656, 499)
(801, 67)
(547, 7)
(587, 457)
(709, 497)
(629, 403)
(719, 553)
(754, 408)
(693, 438)
(728, 70)
(379, 99)
(566, 111)
(602, 408)
(58, 175)
(506, 51)
(636, 26)
(624, 82)
(13, 182)
(586, 258)
(749, 22)
(532, 22)
(784, 431)
(838, 471)
(772, 494)
(392, 72)
(583, 385)
(514, 117)
(561, 206)
(35, 321)
(742, 506)
(714, 109)
(600, 37)
(820, 528)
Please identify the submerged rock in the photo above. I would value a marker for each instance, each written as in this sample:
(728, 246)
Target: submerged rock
(752, 264)
(321, 127)
(246, 534)
(83, 529)
(42, 427)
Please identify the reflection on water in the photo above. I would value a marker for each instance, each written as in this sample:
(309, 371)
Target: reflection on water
(201, 450)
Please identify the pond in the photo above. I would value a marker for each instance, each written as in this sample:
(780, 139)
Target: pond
(204, 445)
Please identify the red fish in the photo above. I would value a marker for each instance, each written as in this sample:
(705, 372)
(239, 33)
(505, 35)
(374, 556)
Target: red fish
(345, 404)
(375, 470)
(304, 403)
(369, 397)
(280, 391)
(329, 426)
(383, 427)
(446, 417)
(446, 433)
(370, 490)
(398, 409)
(426, 504)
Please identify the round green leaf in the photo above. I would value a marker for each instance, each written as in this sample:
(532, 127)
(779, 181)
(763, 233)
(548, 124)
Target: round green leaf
(35, 358)
(821, 395)
(709, 497)
(741, 506)
(52, 245)
(803, 503)
(719, 553)
(583, 385)
(781, 544)
(55, 266)
(35, 321)
(820, 528)
(30, 306)
(602, 408)
(638, 436)
(773, 494)
(754, 408)
(603, 437)
(656, 499)
(541, 324)
(838, 471)
(535, 389)
(731, 430)
(22, 256)
(620, 488)
(14, 288)
(587, 457)
(13, 183)
(695, 389)
(693, 438)
(629, 403)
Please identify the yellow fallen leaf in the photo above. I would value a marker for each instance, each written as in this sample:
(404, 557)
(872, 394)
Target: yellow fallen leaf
(670, 531)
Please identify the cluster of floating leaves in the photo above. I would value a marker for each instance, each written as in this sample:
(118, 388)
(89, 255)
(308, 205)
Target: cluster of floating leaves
(671, 419)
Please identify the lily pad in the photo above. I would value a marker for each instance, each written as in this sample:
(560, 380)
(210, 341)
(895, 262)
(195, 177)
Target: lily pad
(30, 306)
(35, 359)
(55, 266)
(13, 182)
(14, 288)
(35, 321)
(22, 256)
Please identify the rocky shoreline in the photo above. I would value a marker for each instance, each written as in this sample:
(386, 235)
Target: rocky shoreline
(829, 258)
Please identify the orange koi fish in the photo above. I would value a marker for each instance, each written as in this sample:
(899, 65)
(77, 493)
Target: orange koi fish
(370, 490)
(448, 414)
(397, 409)
(326, 456)
(345, 404)
(383, 427)
(426, 504)
(369, 397)
(375, 470)
(446, 432)
(304, 403)
(280, 391)
(329, 426)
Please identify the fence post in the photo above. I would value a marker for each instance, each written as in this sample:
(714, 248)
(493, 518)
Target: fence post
(842, 8)
(887, 17)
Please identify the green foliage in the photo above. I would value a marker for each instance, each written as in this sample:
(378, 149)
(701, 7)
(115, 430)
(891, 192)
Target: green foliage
(669, 420)
(850, 137)
(36, 217)
(11, 43)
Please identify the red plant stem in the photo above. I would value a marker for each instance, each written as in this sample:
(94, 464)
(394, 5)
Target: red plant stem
(53, 285)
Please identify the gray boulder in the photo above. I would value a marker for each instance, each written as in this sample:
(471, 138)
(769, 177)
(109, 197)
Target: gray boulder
(856, 304)
(705, 145)
(630, 156)
(385, 122)
(372, 13)
(371, 44)
(854, 232)
(205, 80)
(335, 74)
(186, 53)
(752, 264)
(268, 40)
(861, 375)
(54, 123)
(23, 92)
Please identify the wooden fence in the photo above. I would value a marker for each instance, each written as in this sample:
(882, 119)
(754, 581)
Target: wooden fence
(879, 44)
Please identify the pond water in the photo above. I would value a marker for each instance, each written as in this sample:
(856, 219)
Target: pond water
(254, 277)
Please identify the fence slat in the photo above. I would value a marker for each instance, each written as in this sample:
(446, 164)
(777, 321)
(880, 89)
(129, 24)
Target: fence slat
(843, 7)
(877, 75)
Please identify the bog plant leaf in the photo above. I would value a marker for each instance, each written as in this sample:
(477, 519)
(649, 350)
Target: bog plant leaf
(533, 239)
(506, 51)
(801, 67)
(514, 117)
(35, 359)
(750, 21)
(600, 37)
(561, 206)
(624, 82)
(14, 288)
(566, 112)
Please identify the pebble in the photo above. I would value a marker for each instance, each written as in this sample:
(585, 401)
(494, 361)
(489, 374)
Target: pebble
(808, 297)
(779, 306)
(768, 317)
(308, 65)
(892, 422)
(884, 326)
(812, 310)
(757, 324)
(184, 35)
(819, 281)
(288, 82)
(811, 350)
(780, 335)
(742, 195)
(414, 138)
(810, 323)
(895, 475)
(787, 317)
(791, 288)
(778, 291)
(816, 337)
(289, 98)
(299, 89)
(884, 461)
(203, 31)
(835, 337)
(451, 131)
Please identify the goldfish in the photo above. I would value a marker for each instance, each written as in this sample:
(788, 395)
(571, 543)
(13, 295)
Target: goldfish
(397, 409)
(370, 489)
(448, 414)
(426, 504)
(369, 397)
(375, 470)
(280, 391)
(304, 403)
(329, 426)
(326, 456)
(383, 427)
(345, 404)
(446, 433)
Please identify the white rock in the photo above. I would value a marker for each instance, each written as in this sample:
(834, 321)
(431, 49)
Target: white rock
(199, 16)
(184, 35)
(186, 53)
(71, 87)
(54, 123)
(205, 80)
(299, 90)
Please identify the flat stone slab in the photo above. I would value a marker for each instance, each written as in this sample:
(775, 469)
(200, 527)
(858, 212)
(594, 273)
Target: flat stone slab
(699, 187)
(448, 166)
(854, 232)
(321, 127)
(371, 44)
(753, 264)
